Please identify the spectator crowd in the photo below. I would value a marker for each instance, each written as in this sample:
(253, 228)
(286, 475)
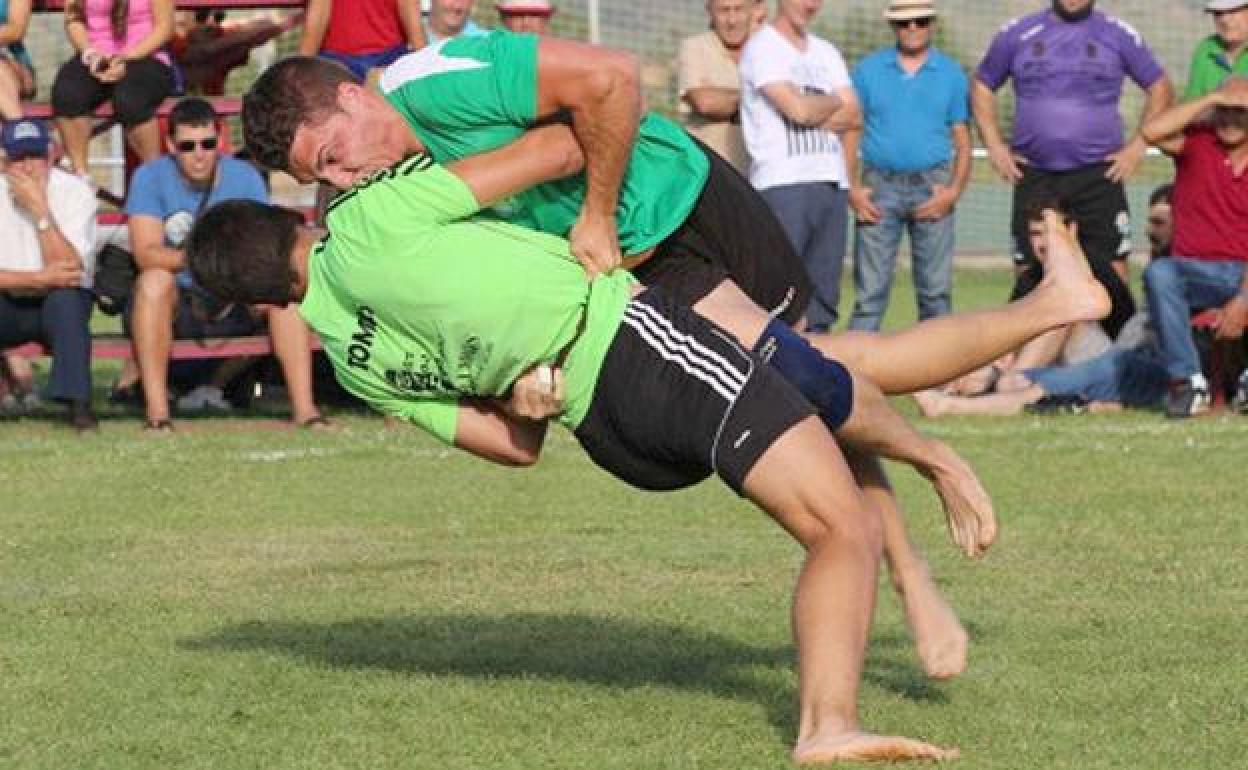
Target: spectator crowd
(854, 158)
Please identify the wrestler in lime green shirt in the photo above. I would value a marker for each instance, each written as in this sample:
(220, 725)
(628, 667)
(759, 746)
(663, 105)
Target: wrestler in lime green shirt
(470, 95)
(455, 309)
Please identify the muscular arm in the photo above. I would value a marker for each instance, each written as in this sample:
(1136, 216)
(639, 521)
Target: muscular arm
(600, 88)
(315, 24)
(413, 30)
(147, 238)
(1165, 130)
(714, 103)
(14, 29)
(485, 430)
(802, 109)
(540, 155)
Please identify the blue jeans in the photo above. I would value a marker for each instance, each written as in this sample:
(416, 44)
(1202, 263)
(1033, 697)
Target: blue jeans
(59, 319)
(815, 216)
(1132, 377)
(876, 246)
(1177, 287)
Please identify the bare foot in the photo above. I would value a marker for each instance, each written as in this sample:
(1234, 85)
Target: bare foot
(968, 508)
(1067, 277)
(931, 402)
(939, 637)
(864, 747)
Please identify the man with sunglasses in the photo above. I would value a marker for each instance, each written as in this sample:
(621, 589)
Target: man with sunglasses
(47, 219)
(1223, 53)
(795, 96)
(916, 146)
(1068, 64)
(166, 196)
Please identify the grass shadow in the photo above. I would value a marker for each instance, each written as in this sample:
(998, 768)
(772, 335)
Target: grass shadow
(609, 652)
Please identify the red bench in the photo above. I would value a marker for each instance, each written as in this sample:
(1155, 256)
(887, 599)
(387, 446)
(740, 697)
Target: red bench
(225, 108)
(1225, 357)
(117, 346)
(57, 6)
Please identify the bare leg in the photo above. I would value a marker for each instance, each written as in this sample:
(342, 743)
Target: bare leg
(939, 637)
(10, 103)
(292, 344)
(803, 483)
(933, 403)
(145, 140)
(76, 136)
(875, 427)
(940, 350)
(155, 295)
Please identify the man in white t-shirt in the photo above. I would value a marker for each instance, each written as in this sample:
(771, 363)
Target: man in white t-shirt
(796, 94)
(47, 222)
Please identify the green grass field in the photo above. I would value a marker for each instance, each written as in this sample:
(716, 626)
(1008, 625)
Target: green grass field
(246, 596)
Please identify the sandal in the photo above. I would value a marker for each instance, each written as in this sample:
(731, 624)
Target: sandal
(319, 422)
(158, 426)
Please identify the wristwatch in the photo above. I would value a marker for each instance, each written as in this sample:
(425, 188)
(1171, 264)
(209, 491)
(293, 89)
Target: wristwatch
(43, 224)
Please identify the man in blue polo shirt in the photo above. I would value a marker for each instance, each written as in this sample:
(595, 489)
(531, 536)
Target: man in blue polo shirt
(916, 149)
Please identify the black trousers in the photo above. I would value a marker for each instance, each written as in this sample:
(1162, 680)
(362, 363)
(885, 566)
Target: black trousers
(59, 320)
(1099, 207)
(136, 97)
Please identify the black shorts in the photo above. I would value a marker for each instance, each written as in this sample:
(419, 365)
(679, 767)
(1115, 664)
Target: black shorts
(731, 233)
(677, 399)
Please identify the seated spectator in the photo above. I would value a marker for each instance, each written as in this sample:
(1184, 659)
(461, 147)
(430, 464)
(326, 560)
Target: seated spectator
(121, 55)
(1128, 374)
(48, 220)
(450, 18)
(166, 197)
(1063, 346)
(363, 36)
(207, 49)
(17, 71)
(526, 15)
(1208, 138)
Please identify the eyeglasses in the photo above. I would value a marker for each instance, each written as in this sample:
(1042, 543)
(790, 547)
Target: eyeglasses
(1158, 221)
(922, 23)
(1227, 12)
(20, 156)
(189, 145)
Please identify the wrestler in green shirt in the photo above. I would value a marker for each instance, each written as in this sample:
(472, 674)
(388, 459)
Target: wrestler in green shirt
(435, 285)
(472, 95)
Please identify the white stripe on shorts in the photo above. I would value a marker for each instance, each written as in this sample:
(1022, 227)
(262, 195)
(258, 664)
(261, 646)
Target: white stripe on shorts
(673, 345)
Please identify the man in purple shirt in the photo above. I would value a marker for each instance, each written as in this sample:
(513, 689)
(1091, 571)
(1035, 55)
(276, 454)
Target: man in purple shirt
(1068, 64)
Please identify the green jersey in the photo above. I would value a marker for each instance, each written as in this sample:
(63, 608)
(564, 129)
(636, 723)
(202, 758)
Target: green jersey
(417, 309)
(467, 95)
(1210, 66)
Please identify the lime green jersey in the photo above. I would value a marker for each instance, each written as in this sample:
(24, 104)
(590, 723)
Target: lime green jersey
(466, 96)
(418, 307)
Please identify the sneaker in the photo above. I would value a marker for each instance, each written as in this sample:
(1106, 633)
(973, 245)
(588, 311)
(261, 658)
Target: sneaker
(1058, 403)
(1241, 394)
(204, 398)
(1189, 398)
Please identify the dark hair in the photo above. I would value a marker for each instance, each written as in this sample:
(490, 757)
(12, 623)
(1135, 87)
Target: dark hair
(191, 111)
(1037, 206)
(239, 251)
(1163, 194)
(295, 91)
